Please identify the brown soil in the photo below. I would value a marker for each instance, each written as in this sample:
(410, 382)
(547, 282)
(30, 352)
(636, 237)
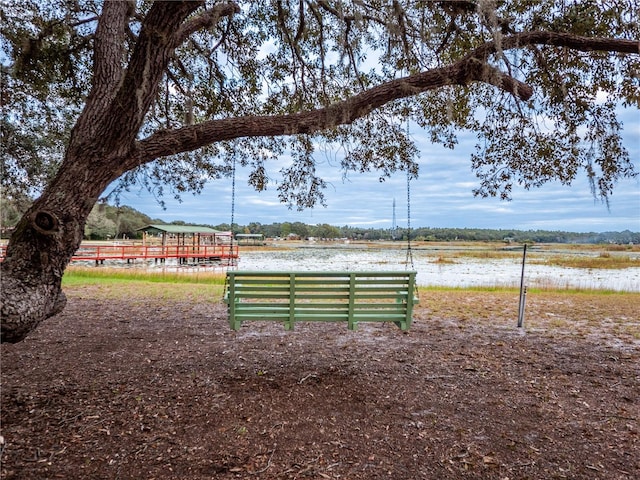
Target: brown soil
(138, 388)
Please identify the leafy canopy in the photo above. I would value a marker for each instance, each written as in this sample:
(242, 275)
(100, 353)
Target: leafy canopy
(283, 57)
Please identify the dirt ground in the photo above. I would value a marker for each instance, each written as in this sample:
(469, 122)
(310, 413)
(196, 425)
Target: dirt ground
(142, 388)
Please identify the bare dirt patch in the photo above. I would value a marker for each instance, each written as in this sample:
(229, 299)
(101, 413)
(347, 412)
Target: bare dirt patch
(133, 387)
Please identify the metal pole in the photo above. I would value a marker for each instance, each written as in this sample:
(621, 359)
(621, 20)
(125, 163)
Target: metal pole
(524, 302)
(523, 289)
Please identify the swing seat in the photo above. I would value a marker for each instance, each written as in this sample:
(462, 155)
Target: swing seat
(351, 297)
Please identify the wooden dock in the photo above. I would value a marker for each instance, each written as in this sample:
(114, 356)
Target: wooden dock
(158, 253)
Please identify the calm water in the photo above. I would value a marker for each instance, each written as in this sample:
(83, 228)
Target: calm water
(465, 272)
(458, 271)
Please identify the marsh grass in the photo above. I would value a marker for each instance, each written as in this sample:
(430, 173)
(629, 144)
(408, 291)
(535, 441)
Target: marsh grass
(603, 260)
(589, 247)
(487, 254)
(461, 255)
(441, 259)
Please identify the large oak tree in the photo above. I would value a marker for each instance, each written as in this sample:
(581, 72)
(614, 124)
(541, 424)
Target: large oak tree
(173, 93)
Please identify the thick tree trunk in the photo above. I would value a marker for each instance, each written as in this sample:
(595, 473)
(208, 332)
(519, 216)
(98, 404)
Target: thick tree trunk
(101, 142)
(41, 247)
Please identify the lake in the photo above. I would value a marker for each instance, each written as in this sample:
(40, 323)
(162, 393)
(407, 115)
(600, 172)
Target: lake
(460, 271)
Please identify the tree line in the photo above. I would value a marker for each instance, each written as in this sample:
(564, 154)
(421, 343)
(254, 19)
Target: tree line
(107, 222)
(430, 234)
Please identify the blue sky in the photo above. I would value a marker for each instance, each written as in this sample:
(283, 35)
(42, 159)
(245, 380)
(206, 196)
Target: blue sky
(441, 197)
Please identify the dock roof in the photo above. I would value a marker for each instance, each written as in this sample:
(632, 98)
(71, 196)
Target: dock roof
(180, 229)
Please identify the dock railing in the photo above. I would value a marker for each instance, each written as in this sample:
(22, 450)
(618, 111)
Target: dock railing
(184, 253)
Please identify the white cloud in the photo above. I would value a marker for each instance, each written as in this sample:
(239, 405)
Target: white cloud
(260, 202)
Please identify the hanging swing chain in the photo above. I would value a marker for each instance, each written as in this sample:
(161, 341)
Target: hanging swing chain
(409, 258)
(233, 207)
(233, 193)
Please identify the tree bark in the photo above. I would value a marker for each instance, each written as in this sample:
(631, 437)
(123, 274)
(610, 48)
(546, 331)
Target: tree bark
(47, 236)
(40, 248)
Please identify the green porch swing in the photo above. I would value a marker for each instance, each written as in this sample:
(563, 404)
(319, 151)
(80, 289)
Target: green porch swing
(320, 296)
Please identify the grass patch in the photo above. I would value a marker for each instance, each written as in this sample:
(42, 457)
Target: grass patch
(623, 248)
(86, 275)
(141, 282)
(443, 260)
(453, 256)
(546, 287)
(487, 254)
(491, 288)
(603, 260)
(117, 284)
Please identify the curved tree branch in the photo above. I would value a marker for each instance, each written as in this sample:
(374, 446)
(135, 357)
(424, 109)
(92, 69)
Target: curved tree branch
(574, 42)
(472, 68)
(462, 72)
(165, 142)
(207, 19)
